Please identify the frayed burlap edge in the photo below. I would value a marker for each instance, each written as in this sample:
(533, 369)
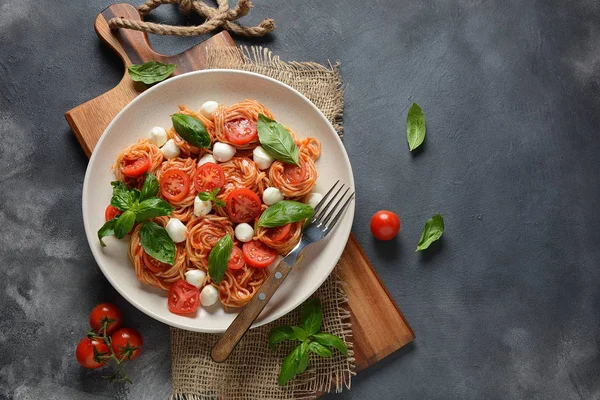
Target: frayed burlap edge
(251, 371)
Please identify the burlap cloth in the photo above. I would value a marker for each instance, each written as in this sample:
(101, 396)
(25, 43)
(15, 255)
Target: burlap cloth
(252, 369)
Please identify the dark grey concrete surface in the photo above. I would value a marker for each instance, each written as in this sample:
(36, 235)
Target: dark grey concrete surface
(506, 306)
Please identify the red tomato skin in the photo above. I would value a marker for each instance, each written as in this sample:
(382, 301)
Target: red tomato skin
(85, 352)
(111, 212)
(126, 338)
(183, 289)
(258, 255)
(251, 200)
(109, 311)
(385, 225)
(236, 260)
(136, 168)
(153, 264)
(279, 234)
(214, 171)
(177, 175)
(241, 131)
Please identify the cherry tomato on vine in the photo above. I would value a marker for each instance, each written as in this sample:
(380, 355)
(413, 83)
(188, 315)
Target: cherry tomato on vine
(106, 312)
(86, 356)
(385, 225)
(127, 343)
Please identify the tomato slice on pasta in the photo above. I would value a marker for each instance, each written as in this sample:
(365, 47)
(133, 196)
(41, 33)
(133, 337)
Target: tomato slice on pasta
(294, 173)
(236, 260)
(243, 205)
(209, 176)
(153, 264)
(258, 255)
(111, 212)
(174, 185)
(136, 167)
(241, 131)
(183, 298)
(279, 234)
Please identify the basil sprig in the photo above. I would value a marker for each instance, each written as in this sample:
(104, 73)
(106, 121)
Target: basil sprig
(191, 129)
(157, 243)
(311, 341)
(277, 141)
(136, 206)
(432, 231)
(284, 212)
(415, 126)
(212, 196)
(150, 72)
(219, 257)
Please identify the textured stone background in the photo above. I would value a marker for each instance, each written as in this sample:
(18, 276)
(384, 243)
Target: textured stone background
(506, 306)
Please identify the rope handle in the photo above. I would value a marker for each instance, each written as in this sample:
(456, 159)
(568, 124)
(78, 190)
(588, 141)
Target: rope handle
(220, 17)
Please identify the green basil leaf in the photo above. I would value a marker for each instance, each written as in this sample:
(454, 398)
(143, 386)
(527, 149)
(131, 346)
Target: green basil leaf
(219, 203)
(204, 196)
(152, 208)
(284, 212)
(319, 349)
(150, 188)
(191, 129)
(157, 243)
(215, 192)
(124, 224)
(219, 257)
(288, 367)
(277, 141)
(312, 316)
(279, 334)
(331, 341)
(108, 229)
(299, 333)
(432, 231)
(302, 355)
(150, 72)
(415, 126)
(124, 198)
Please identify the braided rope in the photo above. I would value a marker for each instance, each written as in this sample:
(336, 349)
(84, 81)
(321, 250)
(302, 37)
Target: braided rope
(220, 17)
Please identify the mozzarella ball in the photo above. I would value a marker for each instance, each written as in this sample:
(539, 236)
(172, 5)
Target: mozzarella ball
(170, 149)
(244, 232)
(195, 277)
(208, 109)
(272, 195)
(223, 152)
(262, 159)
(201, 207)
(207, 158)
(176, 230)
(209, 295)
(158, 136)
(313, 199)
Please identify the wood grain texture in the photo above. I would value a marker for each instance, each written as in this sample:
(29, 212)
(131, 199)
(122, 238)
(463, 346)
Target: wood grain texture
(379, 328)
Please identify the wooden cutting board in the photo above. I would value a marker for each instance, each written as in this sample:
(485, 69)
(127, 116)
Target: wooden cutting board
(378, 326)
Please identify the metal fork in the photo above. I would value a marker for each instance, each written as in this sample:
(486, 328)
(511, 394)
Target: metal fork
(327, 214)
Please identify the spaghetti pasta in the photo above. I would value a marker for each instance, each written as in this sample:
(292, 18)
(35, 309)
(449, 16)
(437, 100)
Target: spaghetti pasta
(142, 149)
(239, 117)
(294, 181)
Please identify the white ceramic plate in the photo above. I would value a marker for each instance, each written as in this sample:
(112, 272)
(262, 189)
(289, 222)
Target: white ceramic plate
(153, 108)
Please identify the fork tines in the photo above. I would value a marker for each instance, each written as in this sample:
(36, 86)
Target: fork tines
(327, 212)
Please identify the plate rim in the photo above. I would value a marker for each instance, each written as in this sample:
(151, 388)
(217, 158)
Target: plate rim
(276, 313)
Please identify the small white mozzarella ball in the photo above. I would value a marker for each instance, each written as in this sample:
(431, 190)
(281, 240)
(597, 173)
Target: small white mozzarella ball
(195, 277)
(313, 199)
(209, 295)
(176, 230)
(223, 152)
(170, 149)
(158, 136)
(262, 159)
(208, 109)
(272, 195)
(244, 232)
(206, 158)
(201, 207)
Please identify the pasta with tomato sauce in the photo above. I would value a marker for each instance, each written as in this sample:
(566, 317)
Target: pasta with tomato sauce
(201, 190)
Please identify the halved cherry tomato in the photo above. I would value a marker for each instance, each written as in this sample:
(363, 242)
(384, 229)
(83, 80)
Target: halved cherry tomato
(258, 255)
(174, 185)
(85, 352)
(136, 167)
(209, 176)
(294, 173)
(243, 205)
(111, 212)
(385, 225)
(241, 131)
(236, 260)
(153, 264)
(106, 312)
(183, 298)
(278, 234)
(127, 343)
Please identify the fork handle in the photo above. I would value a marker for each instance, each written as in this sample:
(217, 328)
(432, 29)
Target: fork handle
(223, 348)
